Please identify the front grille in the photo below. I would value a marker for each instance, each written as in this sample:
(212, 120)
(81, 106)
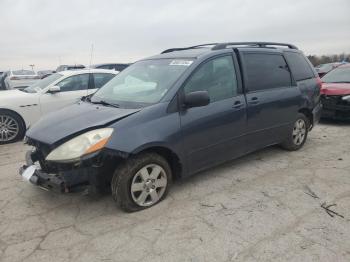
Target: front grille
(335, 103)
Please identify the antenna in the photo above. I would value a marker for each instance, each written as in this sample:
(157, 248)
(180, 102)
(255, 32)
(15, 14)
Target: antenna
(91, 53)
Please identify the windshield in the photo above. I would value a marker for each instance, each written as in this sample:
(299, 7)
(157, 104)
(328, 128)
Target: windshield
(143, 83)
(338, 75)
(41, 84)
(325, 67)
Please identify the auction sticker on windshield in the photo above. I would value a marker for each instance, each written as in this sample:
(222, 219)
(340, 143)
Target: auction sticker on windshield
(181, 62)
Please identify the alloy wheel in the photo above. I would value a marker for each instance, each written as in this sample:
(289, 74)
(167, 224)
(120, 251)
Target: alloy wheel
(9, 128)
(148, 185)
(299, 132)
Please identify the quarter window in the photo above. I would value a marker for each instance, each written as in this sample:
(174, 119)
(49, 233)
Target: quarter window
(300, 67)
(74, 83)
(216, 76)
(266, 71)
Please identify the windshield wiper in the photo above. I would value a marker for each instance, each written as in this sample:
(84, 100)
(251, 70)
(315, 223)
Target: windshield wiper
(105, 103)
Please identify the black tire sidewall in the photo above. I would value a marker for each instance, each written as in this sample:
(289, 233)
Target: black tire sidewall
(124, 174)
(20, 123)
(289, 143)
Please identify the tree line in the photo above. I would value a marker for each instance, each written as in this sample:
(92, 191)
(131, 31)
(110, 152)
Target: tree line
(324, 59)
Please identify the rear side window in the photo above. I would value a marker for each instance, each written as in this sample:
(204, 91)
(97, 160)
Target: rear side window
(266, 71)
(217, 77)
(120, 67)
(101, 79)
(299, 66)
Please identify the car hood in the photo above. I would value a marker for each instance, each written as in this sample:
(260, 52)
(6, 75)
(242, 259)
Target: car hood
(10, 94)
(335, 89)
(73, 120)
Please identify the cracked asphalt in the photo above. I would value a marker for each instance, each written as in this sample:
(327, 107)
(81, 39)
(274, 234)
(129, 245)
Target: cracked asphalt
(262, 207)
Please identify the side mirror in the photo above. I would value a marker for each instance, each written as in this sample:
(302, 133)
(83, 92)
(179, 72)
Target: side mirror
(54, 89)
(197, 99)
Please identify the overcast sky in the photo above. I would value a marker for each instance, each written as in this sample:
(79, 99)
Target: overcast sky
(46, 33)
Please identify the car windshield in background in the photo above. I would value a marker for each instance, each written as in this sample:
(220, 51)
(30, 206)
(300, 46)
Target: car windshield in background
(41, 84)
(143, 83)
(324, 68)
(23, 72)
(338, 75)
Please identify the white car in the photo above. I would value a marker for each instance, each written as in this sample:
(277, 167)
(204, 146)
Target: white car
(21, 108)
(20, 79)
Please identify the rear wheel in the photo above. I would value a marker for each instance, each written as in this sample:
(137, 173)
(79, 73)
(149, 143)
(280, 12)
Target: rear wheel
(141, 182)
(298, 134)
(11, 127)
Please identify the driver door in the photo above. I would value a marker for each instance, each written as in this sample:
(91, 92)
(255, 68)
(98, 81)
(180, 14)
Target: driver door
(72, 89)
(214, 133)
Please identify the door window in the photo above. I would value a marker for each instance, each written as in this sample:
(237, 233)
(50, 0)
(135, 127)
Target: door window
(102, 78)
(216, 76)
(74, 83)
(266, 71)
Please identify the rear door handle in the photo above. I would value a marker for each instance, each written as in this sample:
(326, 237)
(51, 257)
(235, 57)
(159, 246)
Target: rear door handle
(237, 104)
(254, 100)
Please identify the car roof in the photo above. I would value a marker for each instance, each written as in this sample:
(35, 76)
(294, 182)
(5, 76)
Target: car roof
(194, 52)
(344, 65)
(102, 64)
(85, 71)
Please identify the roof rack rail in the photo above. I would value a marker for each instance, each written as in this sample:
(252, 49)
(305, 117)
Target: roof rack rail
(252, 44)
(187, 48)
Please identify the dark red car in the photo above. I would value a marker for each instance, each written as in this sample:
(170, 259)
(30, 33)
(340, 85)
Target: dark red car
(335, 93)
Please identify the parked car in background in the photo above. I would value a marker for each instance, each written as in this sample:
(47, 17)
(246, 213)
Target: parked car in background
(21, 109)
(112, 66)
(175, 114)
(45, 73)
(325, 68)
(69, 67)
(336, 93)
(2, 81)
(19, 79)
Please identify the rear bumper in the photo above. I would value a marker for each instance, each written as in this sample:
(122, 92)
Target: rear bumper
(74, 180)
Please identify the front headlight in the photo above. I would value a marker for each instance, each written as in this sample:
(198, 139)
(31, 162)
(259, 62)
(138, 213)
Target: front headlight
(347, 98)
(83, 144)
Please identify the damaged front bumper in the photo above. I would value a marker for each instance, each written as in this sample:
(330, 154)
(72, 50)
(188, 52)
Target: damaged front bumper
(335, 107)
(82, 176)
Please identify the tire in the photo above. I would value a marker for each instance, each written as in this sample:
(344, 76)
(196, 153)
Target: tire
(12, 127)
(133, 182)
(297, 134)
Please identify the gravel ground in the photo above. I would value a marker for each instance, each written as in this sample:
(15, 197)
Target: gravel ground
(257, 208)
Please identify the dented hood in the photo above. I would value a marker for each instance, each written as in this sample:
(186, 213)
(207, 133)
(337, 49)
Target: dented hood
(75, 119)
(335, 89)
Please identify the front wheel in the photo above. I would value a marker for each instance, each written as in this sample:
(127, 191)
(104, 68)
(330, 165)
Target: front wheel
(298, 134)
(141, 182)
(11, 127)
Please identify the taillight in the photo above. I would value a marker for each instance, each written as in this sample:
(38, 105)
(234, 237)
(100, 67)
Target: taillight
(319, 82)
(14, 78)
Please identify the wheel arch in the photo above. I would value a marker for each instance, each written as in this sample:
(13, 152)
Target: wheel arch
(308, 113)
(16, 113)
(172, 158)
